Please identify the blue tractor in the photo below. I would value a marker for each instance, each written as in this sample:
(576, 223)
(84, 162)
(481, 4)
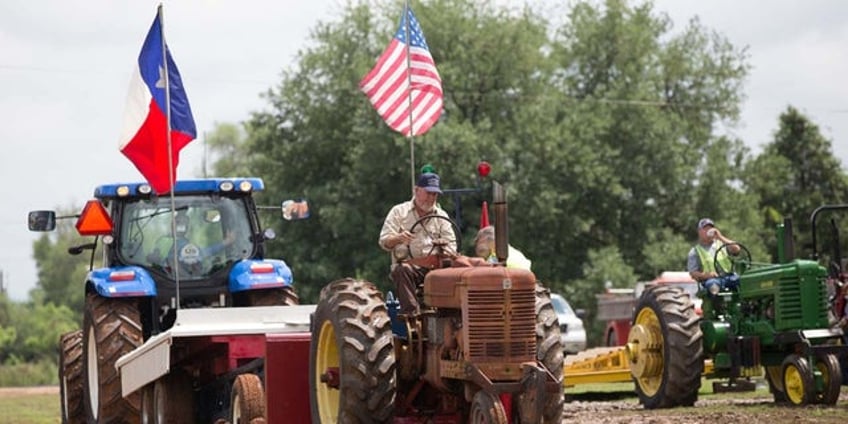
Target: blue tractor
(201, 246)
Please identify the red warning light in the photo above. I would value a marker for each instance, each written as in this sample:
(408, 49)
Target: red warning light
(483, 169)
(94, 220)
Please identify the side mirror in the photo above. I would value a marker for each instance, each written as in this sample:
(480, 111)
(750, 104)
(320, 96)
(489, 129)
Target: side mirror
(295, 209)
(42, 221)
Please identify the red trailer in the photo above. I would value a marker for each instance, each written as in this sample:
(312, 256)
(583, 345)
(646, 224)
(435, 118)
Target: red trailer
(224, 365)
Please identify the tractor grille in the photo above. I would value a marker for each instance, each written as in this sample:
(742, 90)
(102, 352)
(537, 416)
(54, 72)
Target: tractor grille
(802, 300)
(501, 325)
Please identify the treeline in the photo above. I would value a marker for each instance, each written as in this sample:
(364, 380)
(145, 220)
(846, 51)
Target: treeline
(602, 120)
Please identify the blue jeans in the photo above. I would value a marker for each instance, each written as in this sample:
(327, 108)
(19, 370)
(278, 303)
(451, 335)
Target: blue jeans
(727, 282)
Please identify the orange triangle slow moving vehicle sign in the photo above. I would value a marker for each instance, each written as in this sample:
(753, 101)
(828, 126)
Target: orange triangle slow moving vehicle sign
(94, 220)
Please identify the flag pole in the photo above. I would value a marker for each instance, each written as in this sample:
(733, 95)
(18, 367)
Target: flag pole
(161, 18)
(411, 135)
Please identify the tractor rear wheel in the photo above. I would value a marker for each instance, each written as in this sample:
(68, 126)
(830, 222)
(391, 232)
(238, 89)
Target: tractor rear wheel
(70, 377)
(831, 373)
(798, 380)
(549, 352)
(111, 328)
(247, 400)
(279, 296)
(665, 347)
(486, 409)
(351, 362)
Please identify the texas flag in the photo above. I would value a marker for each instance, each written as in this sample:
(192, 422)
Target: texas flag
(145, 136)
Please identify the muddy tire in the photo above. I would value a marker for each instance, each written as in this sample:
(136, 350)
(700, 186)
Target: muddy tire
(280, 296)
(549, 352)
(351, 363)
(798, 381)
(247, 400)
(111, 328)
(831, 372)
(666, 344)
(70, 377)
(486, 409)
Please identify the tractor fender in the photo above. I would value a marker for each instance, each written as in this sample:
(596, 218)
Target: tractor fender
(123, 281)
(251, 274)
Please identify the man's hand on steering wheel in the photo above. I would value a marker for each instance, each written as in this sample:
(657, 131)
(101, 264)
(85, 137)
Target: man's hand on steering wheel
(739, 261)
(441, 239)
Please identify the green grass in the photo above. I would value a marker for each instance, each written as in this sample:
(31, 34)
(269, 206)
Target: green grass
(30, 409)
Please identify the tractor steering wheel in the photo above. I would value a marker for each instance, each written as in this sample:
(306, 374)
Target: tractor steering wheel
(440, 240)
(738, 262)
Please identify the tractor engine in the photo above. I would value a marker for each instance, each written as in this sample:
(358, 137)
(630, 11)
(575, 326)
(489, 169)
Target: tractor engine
(483, 326)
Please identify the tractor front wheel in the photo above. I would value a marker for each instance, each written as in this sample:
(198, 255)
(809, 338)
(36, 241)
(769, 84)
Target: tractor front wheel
(831, 374)
(248, 399)
(665, 348)
(486, 409)
(798, 380)
(549, 352)
(70, 377)
(351, 362)
(111, 328)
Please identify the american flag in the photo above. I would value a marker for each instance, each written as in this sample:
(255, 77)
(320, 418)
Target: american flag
(387, 85)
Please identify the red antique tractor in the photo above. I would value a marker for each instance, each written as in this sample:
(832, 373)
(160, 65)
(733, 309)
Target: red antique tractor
(485, 347)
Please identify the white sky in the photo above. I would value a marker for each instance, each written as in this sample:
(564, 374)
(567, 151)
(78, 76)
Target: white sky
(65, 69)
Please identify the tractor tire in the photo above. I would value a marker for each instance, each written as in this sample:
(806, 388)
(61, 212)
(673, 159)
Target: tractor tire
(111, 328)
(70, 377)
(352, 362)
(831, 373)
(170, 399)
(665, 343)
(798, 380)
(774, 377)
(247, 400)
(487, 409)
(280, 296)
(549, 351)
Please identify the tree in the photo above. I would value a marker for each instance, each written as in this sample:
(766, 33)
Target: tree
(226, 152)
(60, 275)
(795, 174)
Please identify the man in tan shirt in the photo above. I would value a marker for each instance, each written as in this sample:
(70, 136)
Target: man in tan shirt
(396, 237)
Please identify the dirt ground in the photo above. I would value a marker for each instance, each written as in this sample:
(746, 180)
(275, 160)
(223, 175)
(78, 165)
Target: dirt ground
(622, 408)
(751, 408)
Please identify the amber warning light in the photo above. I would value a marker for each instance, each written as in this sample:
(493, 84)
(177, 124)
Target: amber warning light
(94, 220)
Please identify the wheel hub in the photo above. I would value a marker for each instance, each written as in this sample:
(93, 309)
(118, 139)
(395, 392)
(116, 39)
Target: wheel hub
(644, 348)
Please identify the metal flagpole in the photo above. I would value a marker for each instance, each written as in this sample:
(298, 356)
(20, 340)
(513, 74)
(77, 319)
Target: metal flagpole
(411, 135)
(170, 150)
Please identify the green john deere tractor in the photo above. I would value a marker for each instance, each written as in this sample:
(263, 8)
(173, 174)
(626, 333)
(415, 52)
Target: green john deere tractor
(771, 317)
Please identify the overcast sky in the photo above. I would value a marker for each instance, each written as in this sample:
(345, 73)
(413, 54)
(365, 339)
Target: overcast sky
(65, 69)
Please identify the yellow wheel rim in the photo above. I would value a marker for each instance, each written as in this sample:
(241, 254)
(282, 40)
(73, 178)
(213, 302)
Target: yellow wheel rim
(327, 357)
(793, 382)
(645, 348)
